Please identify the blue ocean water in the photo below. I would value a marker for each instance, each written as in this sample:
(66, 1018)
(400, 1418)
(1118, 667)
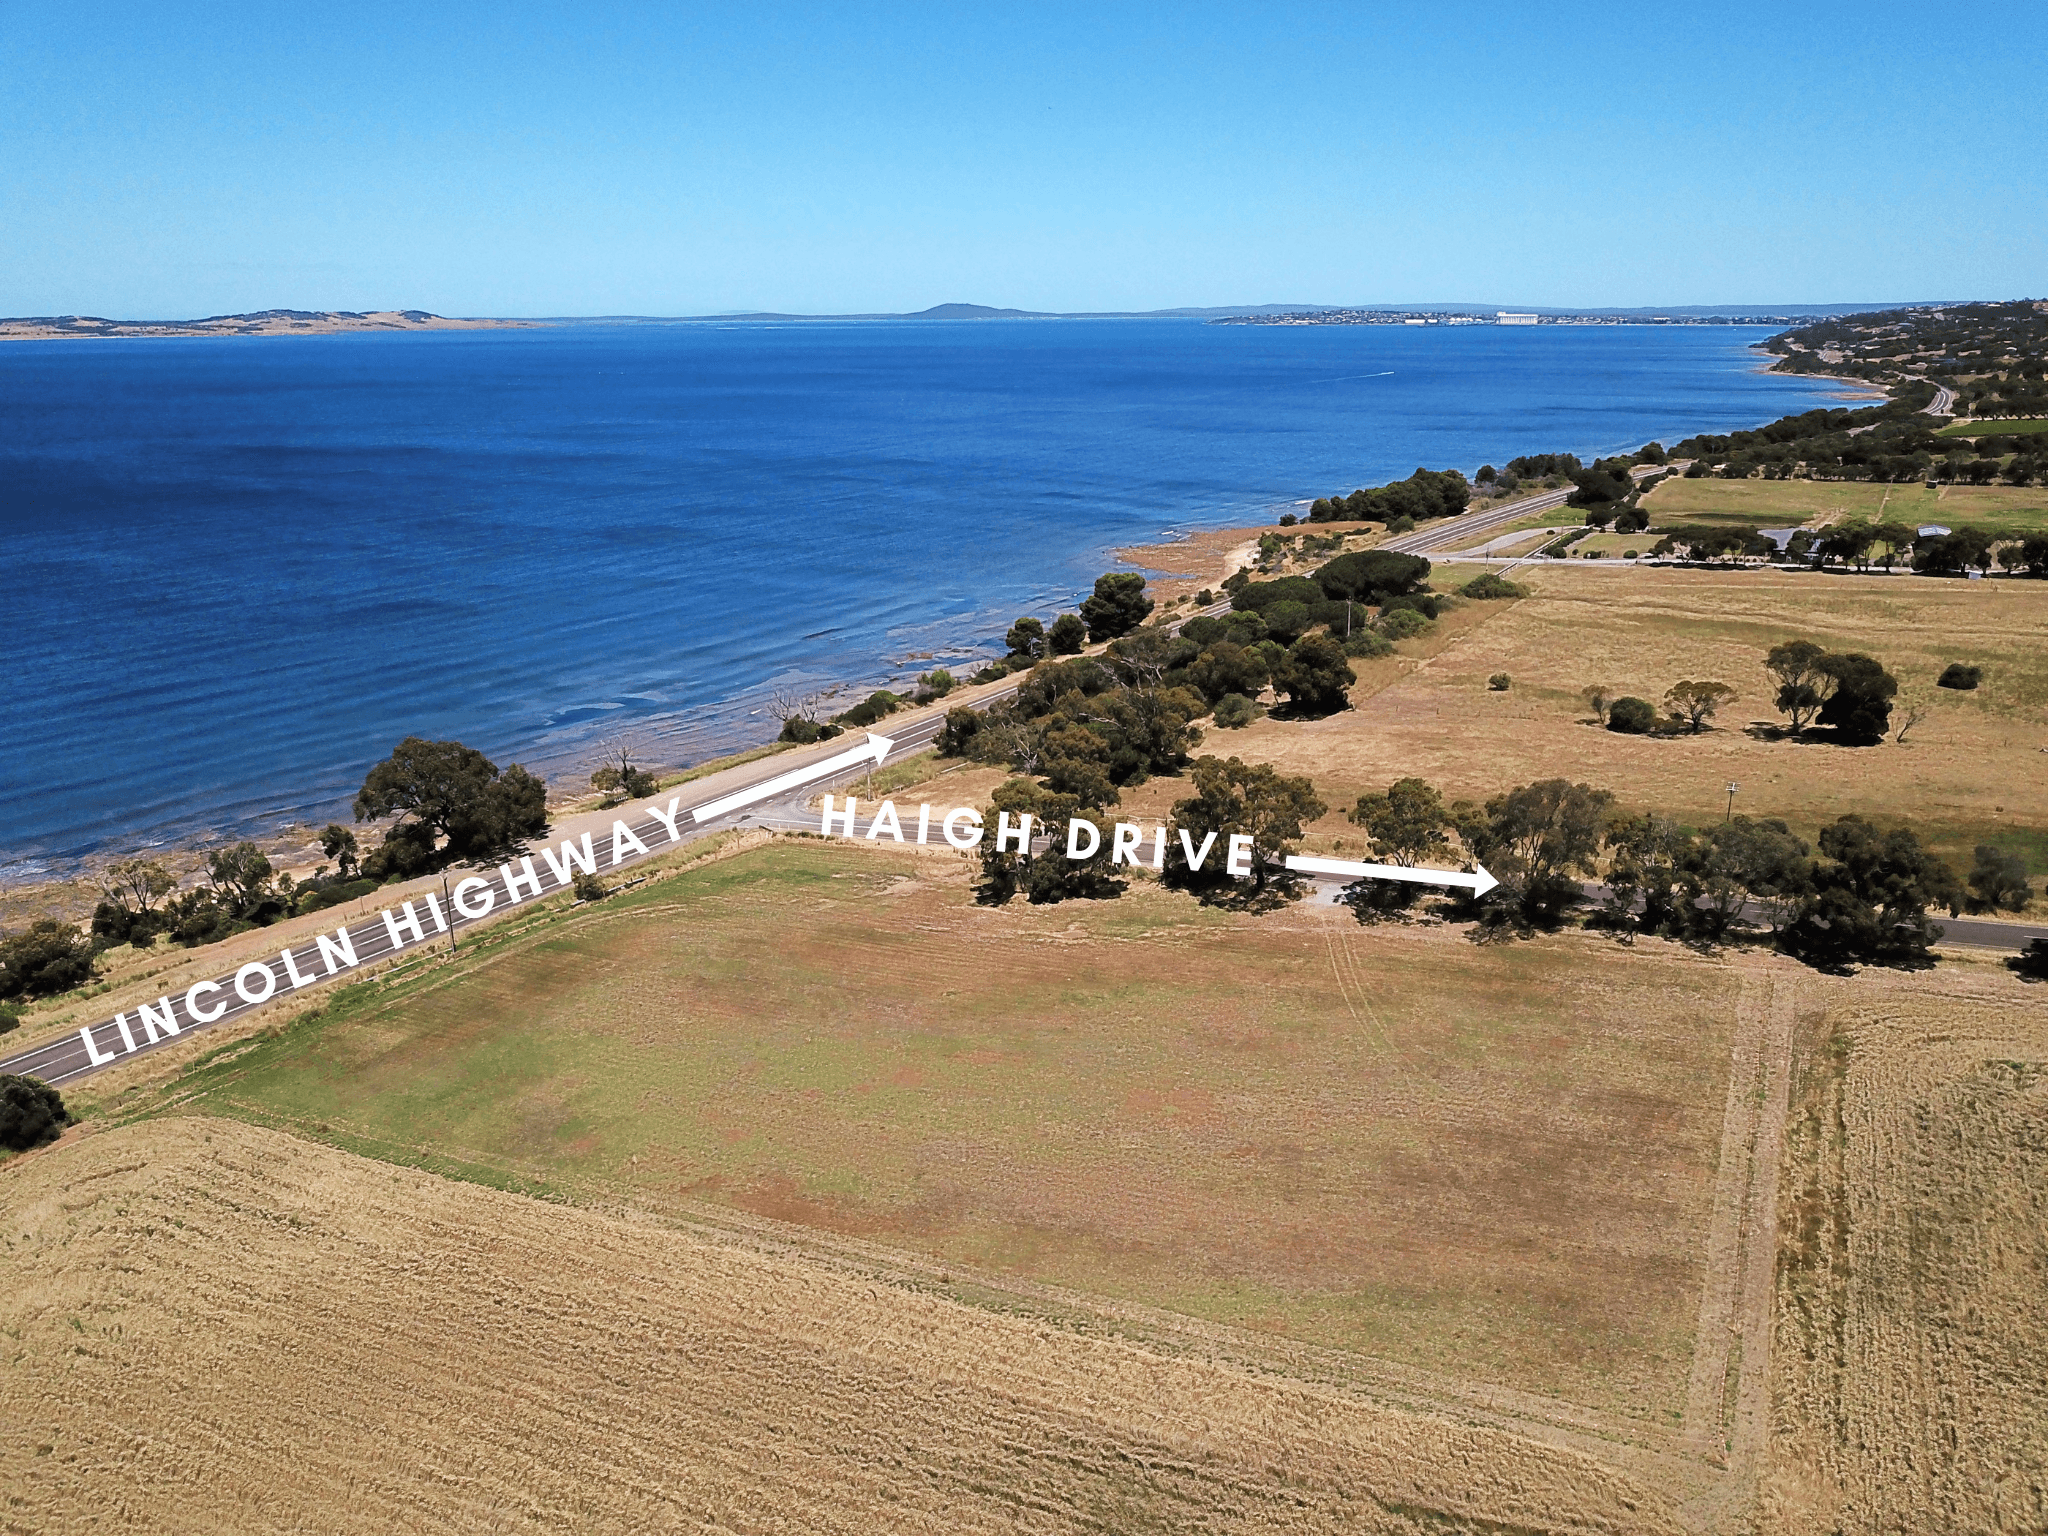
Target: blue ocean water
(237, 571)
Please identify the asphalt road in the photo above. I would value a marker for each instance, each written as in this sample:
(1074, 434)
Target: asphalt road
(1456, 530)
(1943, 403)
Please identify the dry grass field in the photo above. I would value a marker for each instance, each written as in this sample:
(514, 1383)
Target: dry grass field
(1972, 772)
(213, 1327)
(1911, 1351)
(1495, 1163)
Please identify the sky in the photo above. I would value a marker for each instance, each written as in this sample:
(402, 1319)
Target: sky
(166, 160)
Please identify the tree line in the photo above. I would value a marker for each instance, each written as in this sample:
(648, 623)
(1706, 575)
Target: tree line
(1863, 545)
(1862, 897)
(1400, 504)
(1897, 442)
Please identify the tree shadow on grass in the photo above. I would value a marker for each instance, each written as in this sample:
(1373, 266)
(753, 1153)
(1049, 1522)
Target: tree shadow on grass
(1230, 895)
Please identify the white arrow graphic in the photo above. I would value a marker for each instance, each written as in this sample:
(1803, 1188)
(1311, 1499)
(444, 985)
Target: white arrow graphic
(1480, 881)
(875, 748)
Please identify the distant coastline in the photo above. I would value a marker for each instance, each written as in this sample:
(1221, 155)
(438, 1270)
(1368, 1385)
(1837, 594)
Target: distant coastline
(323, 322)
(262, 322)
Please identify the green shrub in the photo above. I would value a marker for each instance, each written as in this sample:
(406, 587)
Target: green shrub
(588, 887)
(804, 732)
(1428, 604)
(1957, 675)
(313, 898)
(1368, 643)
(875, 707)
(1402, 624)
(1632, 716)
(1499, 682)
(1998, 881)
(1234, 711)
(44, 959)
(31, 1113)
(1489, 587)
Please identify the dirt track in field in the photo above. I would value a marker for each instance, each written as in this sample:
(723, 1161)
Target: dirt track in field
(211, 1326)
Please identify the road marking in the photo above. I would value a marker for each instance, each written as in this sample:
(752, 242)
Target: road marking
(1479, 881)
(875, 748)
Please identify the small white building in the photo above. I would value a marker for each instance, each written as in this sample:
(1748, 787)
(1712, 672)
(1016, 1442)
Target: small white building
(1508, 317)
(1932, 531)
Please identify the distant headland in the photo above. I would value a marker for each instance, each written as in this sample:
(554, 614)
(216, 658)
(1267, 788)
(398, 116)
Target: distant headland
(263, 322)
(316, 322)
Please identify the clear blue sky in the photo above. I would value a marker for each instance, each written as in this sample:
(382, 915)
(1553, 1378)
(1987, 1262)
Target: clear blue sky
(168, 159)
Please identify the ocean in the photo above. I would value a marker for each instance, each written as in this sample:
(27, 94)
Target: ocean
(238, 571)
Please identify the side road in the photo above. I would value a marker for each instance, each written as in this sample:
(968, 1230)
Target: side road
(1427, 540)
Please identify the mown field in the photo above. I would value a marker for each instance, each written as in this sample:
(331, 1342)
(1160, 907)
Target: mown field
(1911, 1349)
(1971, 772)
(213, 1327)
(2027, 426)
(1494, 1162)
(1786, 503)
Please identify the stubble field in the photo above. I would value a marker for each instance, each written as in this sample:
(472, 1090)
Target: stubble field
(1911, 1352)
(210, 1327)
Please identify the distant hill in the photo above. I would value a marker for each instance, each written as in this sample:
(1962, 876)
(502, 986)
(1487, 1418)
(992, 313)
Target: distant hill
(976, 312)
(262, 322)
